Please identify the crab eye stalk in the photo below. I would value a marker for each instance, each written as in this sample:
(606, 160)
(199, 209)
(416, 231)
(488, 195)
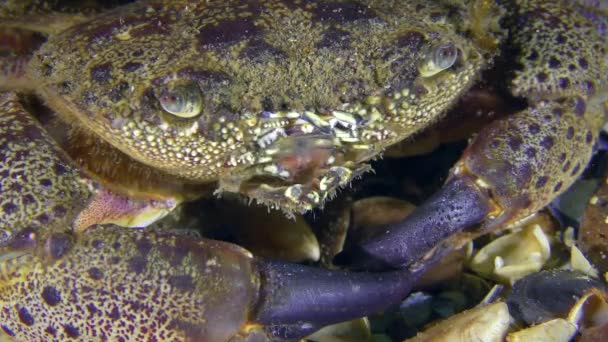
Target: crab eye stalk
(438, 58)
(184, 101)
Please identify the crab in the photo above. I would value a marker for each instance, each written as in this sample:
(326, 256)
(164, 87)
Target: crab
(119, 116)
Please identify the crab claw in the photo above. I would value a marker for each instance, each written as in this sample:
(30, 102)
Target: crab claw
(296, 300)
(203, 290)
(512, 169)
(524, 161)
(459, 204)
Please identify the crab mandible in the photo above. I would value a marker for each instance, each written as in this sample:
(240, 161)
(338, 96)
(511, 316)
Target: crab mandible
(247, 94)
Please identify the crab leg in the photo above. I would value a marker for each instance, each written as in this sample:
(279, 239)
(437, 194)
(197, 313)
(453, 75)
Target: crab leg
(12, 71)
(16, 47)
(517, 165)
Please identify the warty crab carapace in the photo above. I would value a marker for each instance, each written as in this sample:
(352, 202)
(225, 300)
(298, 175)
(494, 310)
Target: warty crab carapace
(143, 106)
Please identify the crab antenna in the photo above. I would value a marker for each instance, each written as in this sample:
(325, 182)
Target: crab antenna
(296, 300)
(457, 205)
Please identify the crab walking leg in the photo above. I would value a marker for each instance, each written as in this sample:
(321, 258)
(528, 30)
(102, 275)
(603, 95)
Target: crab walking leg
(517, 165)
(42, 188)
(12, 72)
(16, 46)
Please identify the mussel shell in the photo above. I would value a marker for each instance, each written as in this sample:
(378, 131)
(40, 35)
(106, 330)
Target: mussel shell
(546, 295)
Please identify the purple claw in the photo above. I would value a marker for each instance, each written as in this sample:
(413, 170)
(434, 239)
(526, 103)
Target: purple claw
(459, 204)
(296, 300)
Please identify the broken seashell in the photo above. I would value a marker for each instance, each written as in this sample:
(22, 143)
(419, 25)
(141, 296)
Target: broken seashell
(513, 256)
(350, 331)
(486, 323)
(265, 232)
(556, 330)
(371, 215)
(578, 262)
(591, 310)
(332, 229)
(547, 295)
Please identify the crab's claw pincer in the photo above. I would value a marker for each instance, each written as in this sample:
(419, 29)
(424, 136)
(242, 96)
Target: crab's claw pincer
(295, 300)
(459, 204)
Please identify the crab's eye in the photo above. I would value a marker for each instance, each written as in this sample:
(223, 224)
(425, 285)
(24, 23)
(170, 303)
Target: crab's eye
(184, 101)
(439, 58)
(444, 56)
